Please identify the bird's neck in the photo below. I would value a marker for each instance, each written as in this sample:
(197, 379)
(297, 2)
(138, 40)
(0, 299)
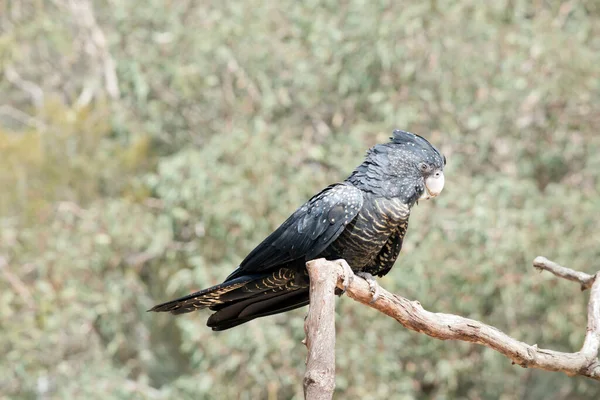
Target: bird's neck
(382, 186)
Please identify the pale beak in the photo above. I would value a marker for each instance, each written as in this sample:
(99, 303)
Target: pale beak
(434, 185)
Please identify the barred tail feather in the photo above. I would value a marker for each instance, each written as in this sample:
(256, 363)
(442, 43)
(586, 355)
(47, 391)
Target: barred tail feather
(209, 297)
(245, 297)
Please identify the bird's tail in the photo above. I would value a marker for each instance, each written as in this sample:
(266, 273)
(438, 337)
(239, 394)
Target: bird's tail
(209, 297)
(244, 298)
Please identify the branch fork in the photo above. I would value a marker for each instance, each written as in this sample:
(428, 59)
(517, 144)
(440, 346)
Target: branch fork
(325, 276)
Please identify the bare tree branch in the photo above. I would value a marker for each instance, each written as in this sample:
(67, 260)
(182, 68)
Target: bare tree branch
(319, 379)
(96, 45)
(22, 117)
(36, 93)
(448, 326)
(585, 280)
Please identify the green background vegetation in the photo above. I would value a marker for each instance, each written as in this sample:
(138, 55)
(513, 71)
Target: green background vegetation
(147, 146)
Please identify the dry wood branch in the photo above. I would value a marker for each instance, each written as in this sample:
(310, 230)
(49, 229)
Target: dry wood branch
(447, 326)
(96, 45)
(319, 379)
(585, 280)
(36, 93)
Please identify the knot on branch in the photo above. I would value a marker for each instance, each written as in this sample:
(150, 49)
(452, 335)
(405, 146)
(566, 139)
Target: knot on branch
(530, 359)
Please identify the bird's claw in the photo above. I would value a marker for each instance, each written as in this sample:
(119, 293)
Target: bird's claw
(373, 285)
(348, 275)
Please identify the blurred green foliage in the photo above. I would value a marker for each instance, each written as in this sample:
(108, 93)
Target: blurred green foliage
(146, 147)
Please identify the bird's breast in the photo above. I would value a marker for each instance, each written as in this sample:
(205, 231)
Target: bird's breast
(364, 237)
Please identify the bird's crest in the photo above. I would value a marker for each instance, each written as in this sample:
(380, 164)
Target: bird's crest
(404, 137)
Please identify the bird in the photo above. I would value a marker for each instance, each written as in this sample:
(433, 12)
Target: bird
(359, 222)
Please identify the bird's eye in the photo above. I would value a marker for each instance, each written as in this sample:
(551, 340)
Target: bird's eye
(424, 167)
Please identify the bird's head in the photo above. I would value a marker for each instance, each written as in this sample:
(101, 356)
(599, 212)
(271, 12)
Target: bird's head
(408, 167)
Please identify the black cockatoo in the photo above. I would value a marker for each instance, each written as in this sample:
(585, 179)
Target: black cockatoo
(361, 220)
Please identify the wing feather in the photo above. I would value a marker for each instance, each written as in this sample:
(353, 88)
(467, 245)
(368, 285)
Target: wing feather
(308, 231)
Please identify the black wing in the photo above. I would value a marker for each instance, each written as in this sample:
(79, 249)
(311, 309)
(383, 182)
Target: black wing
(383, 263)
(307, 232)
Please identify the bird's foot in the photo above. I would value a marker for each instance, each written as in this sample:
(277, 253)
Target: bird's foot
(348, 275)
(373, 285)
